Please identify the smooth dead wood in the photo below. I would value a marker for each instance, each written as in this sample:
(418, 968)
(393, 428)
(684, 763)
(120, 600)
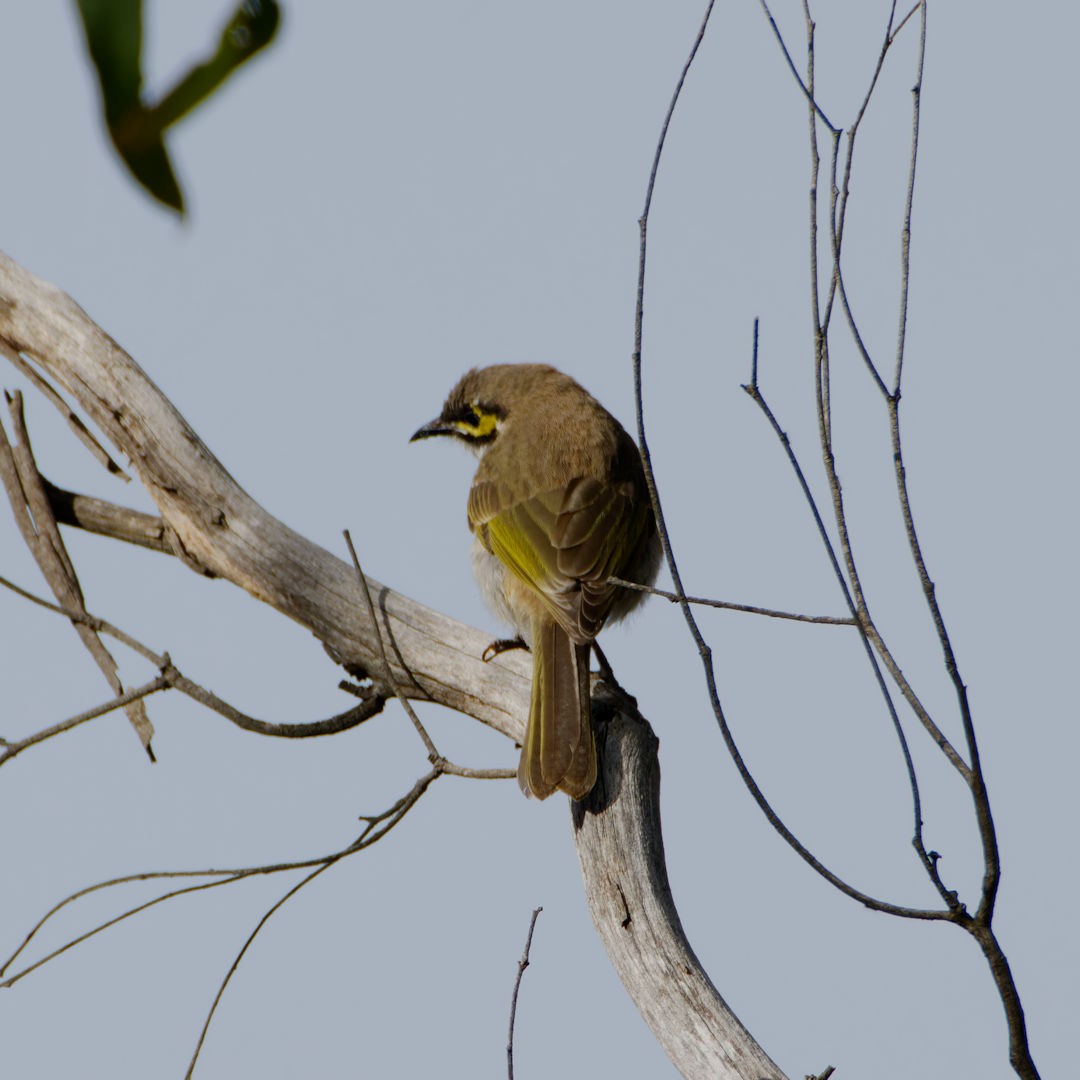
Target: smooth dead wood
(621, 848)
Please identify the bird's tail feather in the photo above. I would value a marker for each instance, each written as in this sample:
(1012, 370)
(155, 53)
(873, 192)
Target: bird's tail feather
(559, 751)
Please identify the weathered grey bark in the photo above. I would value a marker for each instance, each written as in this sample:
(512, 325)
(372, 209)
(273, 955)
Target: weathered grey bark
(621, 848)
(215, 527)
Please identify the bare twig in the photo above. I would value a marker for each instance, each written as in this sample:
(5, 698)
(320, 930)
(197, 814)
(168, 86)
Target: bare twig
(869, 636)
(841, 196)
(13, 747)
(371, 835)
(377, 827)
(11, 980)
(807, 90)
(244, 948)
(727, 605)
(851, 584)
(41, 534)
(441, 763)
(386, 674)
(909, 197)
(523, 963)
(74, 421)
(704, 651)
(815, 168)
(97, 887)
(81, 615)
(979, 924)
(344, 721)
(903, 22)
(872, 639)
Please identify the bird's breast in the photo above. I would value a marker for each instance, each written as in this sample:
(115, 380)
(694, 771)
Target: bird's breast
(510, 599)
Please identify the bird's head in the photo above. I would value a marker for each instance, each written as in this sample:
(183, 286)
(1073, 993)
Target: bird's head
(484, 399)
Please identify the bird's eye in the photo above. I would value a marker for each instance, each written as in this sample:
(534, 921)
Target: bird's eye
(478, 421)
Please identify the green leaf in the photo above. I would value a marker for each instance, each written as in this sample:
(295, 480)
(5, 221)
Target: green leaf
(113, 31)
(114, 37)
(250, 29)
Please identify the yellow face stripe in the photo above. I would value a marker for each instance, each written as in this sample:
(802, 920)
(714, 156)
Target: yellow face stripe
(486, 423)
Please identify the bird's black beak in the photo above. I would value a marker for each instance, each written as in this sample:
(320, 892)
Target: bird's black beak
(438, 426)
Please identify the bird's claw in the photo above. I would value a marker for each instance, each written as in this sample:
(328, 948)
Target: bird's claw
(501, 646)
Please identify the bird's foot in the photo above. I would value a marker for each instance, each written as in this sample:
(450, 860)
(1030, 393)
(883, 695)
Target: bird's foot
(503, 645)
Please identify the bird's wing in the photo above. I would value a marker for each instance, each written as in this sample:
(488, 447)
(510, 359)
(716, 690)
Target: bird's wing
(564, 543)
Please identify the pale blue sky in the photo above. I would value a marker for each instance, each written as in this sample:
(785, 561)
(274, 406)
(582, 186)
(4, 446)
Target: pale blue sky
(390, 195)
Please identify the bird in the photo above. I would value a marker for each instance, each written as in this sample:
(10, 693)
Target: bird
(559, 505)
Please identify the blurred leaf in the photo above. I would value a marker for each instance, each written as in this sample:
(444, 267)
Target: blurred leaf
(114, 38)
(249, 30)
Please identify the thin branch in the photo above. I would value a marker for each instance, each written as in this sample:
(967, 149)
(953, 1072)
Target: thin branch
(856, 333)
(815, 168)
(703, 648)
(36, 522)
(386, 674)
(841, 196)
(866, 632)
(369, 837)
(834, 196)
(240, 955)
(845, 188)
(979, 924)
(987, 832)
(852, 583)
(643, 220)
(81, 615)
(909, 197)
(727, 605)
(903, 22)
(639, 315)
(1019, 1051)
(13, 747)
(98, 886)
(74, 421)
(975, 779)
(78, 940)
(523, 963)
(838, 216)
(974, 774)
(332, 725)
(807, 91)
(869, 635)
(434, 756)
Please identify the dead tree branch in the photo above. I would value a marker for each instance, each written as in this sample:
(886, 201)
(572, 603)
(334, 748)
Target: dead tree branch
(215, 527)
(33, 514)
(621, 848)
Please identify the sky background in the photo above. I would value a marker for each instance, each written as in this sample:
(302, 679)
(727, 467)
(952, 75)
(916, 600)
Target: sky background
(391, 194)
